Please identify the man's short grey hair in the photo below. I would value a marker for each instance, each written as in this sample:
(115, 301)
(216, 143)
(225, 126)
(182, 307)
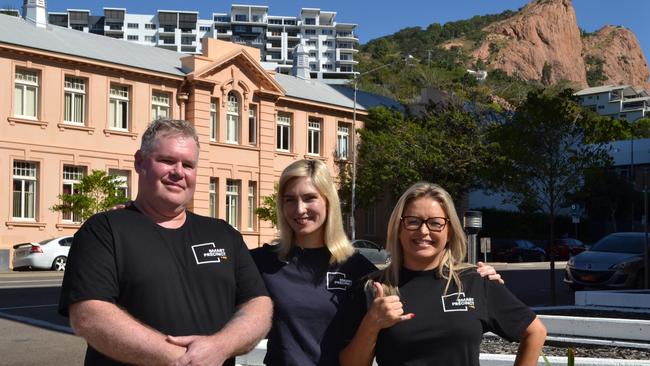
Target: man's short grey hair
(166, 127)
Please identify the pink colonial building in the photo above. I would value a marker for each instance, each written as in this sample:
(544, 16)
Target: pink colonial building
(73, 102)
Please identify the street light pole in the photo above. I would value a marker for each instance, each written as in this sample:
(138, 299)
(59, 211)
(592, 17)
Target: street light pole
(354, 159)
(353, 185)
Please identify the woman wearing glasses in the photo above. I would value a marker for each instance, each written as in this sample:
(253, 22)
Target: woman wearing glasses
(309, 272)
(427, 280)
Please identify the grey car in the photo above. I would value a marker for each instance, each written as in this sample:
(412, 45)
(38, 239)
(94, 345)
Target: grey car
(615, 262)
(371, 250)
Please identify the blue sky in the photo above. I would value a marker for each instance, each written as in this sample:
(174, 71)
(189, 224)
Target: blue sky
(381, 17)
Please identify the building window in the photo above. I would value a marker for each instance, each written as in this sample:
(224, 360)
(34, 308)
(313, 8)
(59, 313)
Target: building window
(343, 142)
(204, 28)
(370, 220)
(232, 204)
(310, 31)
(132, 25)
(251, 205)
(133, 37)
(118, 107)
(74, 100)
(213, 120)
(283, 132)
(311, 43)
(72, 176)
(150, 38)
(313, 136)
(149, 26)
(252, 125)
(159, 105)
(310, 21)
(232, 118)
(212, 191)
(121, 180)
(24, 181)
(26, 94)
(327, 32)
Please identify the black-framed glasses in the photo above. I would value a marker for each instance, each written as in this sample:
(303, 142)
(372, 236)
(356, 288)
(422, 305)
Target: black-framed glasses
(413, 223)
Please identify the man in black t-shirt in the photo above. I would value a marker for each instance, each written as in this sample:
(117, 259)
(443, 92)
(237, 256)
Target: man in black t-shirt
(157, 284)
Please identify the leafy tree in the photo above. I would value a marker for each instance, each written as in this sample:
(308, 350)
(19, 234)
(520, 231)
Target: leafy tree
(97, 192)
(268, 209)
(640, 129)
(445, 147)
(545, 150)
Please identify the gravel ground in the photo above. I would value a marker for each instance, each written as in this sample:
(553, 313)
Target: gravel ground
(497, 345)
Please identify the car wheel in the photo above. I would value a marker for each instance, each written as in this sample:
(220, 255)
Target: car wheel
(575, 287)
(59, 263)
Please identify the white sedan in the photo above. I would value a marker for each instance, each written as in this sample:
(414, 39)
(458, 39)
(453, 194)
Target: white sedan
(47, 254)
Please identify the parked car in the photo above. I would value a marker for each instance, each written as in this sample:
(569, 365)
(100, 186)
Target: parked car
(371, 250)
(516, 250)
(615, 261)
(566, 248)
(47, 254)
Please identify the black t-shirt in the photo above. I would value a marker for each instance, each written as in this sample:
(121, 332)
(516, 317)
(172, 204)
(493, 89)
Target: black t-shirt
(308, 294)
(447, 329)
(185, 281)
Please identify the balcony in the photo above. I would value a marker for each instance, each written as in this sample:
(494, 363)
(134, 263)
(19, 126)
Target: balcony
(347, 62)
(114, 28)
(188, 30)
(346, 36)
(273, 34)
(634, 105)
(273, 46)
(167, 30)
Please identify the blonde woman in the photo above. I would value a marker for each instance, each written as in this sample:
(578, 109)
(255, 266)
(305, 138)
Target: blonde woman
(427, 279)
(310, 270)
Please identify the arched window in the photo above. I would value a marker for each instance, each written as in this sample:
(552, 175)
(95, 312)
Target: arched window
(232, 118)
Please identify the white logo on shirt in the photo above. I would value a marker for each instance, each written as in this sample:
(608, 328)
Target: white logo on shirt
(208, 253)
(456, 302)
(338, 281)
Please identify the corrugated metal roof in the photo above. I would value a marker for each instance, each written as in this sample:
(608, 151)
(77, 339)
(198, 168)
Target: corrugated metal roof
(600, 89)
(339, 95)
(17, 31)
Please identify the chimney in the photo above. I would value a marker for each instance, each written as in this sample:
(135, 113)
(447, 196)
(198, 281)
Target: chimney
(35, 11)
(300, 62)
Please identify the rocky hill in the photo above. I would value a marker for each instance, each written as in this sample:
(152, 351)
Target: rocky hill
(543, 42)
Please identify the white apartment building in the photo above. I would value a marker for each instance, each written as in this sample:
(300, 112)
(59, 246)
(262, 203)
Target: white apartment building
(331, 45)
(616, 101)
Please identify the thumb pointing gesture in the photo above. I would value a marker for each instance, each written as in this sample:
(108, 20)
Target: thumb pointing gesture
(379, 289)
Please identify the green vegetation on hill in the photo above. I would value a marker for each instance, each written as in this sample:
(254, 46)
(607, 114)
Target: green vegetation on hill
(436, 67)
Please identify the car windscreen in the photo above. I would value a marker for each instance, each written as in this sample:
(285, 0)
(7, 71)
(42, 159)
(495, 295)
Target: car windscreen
(620, 244)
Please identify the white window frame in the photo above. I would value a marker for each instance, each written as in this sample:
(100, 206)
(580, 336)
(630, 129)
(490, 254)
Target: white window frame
(314, 126)
(74, 90)
(232, 203)
(26, 174)
(232, 119)
(252, 125)
(121, 180)
(24, 81)
(343, 142)
(214, 120)
(118, 95)
(283, 123)
(251, 205)
(72, 176)
(160, 105)
(212, 196)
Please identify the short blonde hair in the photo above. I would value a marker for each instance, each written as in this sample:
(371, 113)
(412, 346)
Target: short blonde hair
(453, 255)
(334, 238)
